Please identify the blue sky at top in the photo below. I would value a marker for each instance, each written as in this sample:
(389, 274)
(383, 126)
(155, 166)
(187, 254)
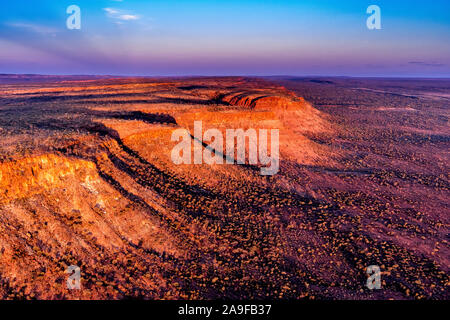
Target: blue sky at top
(316, 37)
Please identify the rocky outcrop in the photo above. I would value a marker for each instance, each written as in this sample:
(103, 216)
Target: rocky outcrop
(28, 176)
(264, 100)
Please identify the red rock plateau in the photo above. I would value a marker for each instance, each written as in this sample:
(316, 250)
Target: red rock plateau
(86, 179)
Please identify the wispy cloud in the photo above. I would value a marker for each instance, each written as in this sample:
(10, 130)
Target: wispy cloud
(128, 17)
(120, 14)
(427, 64)
(111, 11)
(33, 27)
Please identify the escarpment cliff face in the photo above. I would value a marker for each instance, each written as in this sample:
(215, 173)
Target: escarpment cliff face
(87, 180)
(261, 100)
(28, 176)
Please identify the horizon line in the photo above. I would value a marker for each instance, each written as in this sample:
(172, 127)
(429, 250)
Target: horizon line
(225, 76)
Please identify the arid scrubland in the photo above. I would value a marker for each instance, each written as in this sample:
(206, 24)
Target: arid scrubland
(86, 179)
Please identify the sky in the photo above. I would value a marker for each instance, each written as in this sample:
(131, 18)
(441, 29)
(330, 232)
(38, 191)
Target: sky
(233, 37)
